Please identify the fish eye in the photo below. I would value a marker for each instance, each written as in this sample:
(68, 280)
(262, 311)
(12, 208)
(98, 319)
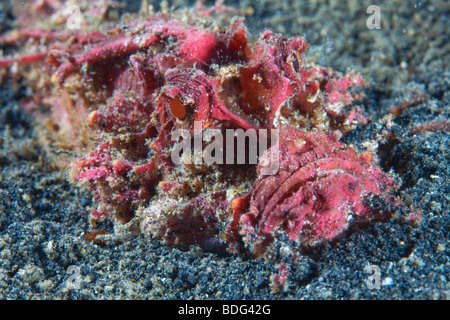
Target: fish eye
(177, 108)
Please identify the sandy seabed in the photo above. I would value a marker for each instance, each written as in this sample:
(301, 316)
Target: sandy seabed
(43, 217)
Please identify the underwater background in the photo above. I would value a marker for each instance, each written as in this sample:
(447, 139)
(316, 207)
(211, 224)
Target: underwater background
(43, 217)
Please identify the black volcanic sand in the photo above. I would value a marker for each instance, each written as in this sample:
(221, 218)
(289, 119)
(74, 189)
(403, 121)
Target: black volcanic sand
(43, 218)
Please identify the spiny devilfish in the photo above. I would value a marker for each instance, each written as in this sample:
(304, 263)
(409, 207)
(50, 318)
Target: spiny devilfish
(121, 93)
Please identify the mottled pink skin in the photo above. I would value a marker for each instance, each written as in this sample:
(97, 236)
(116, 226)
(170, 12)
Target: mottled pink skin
(337, 89)
(108, 177)
(198, 93)
(269, 79)
(126, 118)
(195, 47)
(137, 72)
(54, 52)
(137, 75)
(279, 279)
(32, 11)
(28, 58)
(188, 222)
(46, 36)
(319, 186)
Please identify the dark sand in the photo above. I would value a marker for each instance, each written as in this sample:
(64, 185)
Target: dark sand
(43, 217)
